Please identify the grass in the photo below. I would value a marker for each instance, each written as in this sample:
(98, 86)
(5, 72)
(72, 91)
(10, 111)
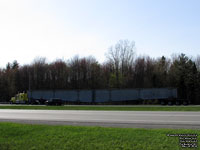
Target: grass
(43, 137)
(107, 107)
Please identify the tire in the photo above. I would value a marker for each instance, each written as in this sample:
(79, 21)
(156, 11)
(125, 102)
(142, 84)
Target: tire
(178, 103)
(185, 103)
(170, 103)
(162, 103)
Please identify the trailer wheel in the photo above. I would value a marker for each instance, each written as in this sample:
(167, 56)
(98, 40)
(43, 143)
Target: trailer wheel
(178, 103)
(162, 102)
(185, 103)
(170, 103)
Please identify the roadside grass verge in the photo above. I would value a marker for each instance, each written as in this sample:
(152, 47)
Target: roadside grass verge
(106, 108)
(43, 137)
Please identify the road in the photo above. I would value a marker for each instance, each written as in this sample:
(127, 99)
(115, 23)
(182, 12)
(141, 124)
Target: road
(130, 119)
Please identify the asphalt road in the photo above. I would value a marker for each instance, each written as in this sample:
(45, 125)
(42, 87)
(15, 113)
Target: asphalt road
(130, 119)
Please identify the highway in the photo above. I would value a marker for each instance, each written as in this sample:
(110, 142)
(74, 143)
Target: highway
(126, 119)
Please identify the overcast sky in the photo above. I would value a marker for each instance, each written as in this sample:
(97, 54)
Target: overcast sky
(63, 28)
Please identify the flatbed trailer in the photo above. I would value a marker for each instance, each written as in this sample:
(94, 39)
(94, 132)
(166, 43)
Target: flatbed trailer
(109, 96)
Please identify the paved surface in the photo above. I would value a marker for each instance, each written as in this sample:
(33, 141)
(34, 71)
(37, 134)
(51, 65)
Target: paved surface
(131, 119)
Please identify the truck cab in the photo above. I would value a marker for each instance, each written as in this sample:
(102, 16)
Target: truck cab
(20, 98)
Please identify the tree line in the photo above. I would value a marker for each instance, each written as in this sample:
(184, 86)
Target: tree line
(122, 69)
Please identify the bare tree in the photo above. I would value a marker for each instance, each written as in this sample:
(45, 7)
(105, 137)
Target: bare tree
(197, 62)
(39, 66)
(139, 72)
(121, 56)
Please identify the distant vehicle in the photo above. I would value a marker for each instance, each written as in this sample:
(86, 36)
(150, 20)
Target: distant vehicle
(20, 98)
(54, 101)
(37, 101)
(34, 102)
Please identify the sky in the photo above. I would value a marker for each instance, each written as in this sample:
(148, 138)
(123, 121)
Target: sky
(61, 29)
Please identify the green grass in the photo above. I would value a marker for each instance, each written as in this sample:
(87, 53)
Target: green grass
(44, 137)
(107, 107)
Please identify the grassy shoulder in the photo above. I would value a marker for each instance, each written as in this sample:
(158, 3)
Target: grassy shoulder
(106, 107)
(42, 137)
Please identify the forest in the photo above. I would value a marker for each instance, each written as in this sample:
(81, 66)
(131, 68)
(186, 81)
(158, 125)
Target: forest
(122, 69)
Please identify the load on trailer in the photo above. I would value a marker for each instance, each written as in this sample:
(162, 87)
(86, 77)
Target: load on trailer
(20, 98)
(108, 96)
